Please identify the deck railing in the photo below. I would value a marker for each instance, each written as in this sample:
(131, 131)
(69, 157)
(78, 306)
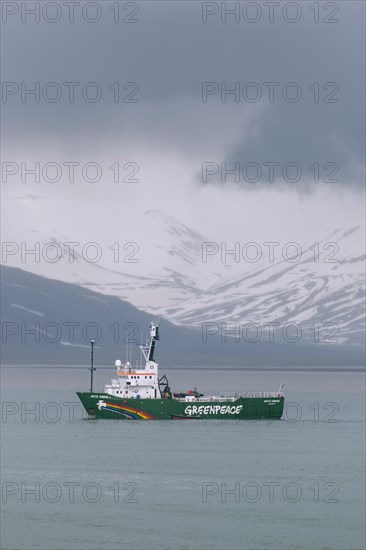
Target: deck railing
(234, 396)
(252, 394)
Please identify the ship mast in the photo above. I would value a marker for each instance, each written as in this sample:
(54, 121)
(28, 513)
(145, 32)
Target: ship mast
(92, 369)
(149, 348)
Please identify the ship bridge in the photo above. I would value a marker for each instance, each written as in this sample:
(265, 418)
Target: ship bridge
(138, 382)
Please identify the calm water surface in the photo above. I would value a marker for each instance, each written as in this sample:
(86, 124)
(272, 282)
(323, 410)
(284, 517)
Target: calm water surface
(73, 483)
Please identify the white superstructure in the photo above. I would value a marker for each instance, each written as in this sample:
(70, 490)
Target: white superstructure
(138, 383)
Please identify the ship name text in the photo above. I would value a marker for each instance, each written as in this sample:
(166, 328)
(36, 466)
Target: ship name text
(213, 409)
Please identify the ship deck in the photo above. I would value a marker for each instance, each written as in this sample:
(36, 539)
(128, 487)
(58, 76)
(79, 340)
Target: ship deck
(230, 397)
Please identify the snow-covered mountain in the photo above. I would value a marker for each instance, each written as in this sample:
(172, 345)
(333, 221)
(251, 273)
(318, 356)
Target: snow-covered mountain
(45, 321)
(156, 263)
(330, 291)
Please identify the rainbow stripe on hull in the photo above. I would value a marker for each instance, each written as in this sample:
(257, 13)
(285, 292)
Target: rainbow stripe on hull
(127, 411)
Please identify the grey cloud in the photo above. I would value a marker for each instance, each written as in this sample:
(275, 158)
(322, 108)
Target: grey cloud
(169, 53)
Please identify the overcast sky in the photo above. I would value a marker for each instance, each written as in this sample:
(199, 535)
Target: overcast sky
(169, 132)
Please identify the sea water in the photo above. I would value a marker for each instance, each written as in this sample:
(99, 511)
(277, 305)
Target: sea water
(72, 483)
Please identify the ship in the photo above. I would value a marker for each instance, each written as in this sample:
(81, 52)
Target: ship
(137, 393)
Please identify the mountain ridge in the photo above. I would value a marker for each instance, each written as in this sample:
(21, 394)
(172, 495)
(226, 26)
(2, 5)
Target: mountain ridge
(28, 299)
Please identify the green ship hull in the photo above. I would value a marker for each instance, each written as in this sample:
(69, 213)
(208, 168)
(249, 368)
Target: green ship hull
(103, 405)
